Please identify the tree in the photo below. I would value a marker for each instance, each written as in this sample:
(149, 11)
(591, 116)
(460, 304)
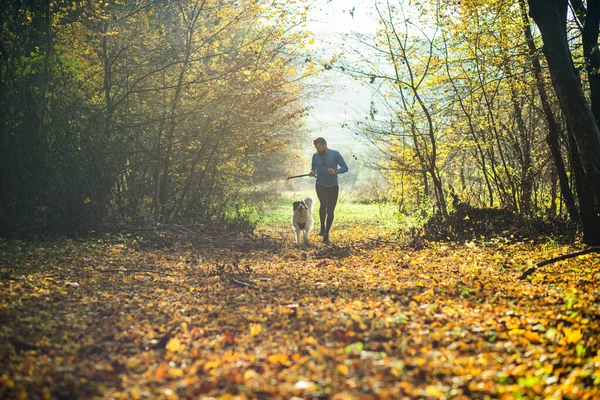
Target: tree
(551, 18)
(405, 121)
(553, 136)
(141, 110)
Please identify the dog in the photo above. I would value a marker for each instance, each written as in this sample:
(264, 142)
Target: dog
(302, 219)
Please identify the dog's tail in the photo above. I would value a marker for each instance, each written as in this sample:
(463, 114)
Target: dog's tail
(309, 202)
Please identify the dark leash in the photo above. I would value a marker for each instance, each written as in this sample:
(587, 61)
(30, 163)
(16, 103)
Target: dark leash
(297, 176)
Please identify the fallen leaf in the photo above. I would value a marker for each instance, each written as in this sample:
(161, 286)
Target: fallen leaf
(174, 345)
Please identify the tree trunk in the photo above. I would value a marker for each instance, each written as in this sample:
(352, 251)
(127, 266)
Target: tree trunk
(591, 54)
(590, 221)
(552, 139)
(550, 16)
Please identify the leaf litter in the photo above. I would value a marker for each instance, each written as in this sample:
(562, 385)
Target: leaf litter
(358, 319)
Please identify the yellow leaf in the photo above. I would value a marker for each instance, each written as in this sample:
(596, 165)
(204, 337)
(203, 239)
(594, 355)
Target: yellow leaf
(572, 335)
(210, 365)
(533, 337)
(310, 340)
(250, 374)
(342, 369)
(255, 329)
(433, 391)
(174, 345)
(175, 372)
(279, 358)
(7, 382)
(423, 296)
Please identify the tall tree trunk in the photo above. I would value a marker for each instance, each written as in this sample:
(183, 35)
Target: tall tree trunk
(6, 207)
(590, 221)
(592, 54)
(552, 139)
(550, 16)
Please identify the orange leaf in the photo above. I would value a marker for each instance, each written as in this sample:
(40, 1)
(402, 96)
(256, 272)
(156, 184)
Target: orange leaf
(228, 338)
(28, 365)
(135, 393)
(161, 371)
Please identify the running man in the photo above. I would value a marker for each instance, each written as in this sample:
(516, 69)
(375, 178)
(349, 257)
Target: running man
(326, 165)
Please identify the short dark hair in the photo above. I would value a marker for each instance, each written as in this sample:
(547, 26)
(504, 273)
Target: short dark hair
(319, 140)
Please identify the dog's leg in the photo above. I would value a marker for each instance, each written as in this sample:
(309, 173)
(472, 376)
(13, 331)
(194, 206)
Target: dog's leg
(297, 237)
(305, 236)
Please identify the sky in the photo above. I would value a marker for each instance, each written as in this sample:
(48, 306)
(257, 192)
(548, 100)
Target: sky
(341, 99)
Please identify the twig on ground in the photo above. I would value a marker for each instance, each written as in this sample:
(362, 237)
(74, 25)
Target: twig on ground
(248, 284)
(530, 271)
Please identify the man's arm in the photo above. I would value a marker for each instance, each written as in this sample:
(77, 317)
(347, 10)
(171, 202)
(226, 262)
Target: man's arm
(313, 167)
(340, 161)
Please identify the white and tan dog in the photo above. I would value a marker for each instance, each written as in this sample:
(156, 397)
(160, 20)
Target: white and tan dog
(302, 219)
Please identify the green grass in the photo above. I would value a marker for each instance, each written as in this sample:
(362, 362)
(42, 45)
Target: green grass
(346, 213)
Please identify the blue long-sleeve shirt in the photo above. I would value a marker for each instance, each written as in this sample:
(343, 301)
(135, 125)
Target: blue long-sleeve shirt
(321, 163)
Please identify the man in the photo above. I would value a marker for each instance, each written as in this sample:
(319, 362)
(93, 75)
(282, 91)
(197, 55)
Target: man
(326, 165)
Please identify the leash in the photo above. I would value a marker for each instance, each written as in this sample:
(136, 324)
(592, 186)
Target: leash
(297, 176)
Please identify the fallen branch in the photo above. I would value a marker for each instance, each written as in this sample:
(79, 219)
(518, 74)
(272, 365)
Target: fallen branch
(248, 284)
(531, 270)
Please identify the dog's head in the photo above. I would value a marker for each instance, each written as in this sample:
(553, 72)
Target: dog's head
(299, 205)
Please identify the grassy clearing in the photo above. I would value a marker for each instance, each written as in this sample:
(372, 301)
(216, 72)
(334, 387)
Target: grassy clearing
(352, 220)
(346, 213)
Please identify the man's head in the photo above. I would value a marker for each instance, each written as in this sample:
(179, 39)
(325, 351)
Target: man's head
(320, 145)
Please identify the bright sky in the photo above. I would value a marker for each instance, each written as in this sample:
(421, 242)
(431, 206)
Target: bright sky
(340, 98)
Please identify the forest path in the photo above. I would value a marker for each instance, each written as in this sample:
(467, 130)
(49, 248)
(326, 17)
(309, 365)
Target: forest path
(257, 317)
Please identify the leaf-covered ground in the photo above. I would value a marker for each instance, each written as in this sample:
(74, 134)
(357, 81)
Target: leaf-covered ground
(256, 317)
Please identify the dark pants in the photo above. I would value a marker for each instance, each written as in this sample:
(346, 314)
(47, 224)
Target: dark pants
(328, 196)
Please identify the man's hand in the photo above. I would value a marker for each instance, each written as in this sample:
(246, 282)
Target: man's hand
(332, 171)
(311, 174)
